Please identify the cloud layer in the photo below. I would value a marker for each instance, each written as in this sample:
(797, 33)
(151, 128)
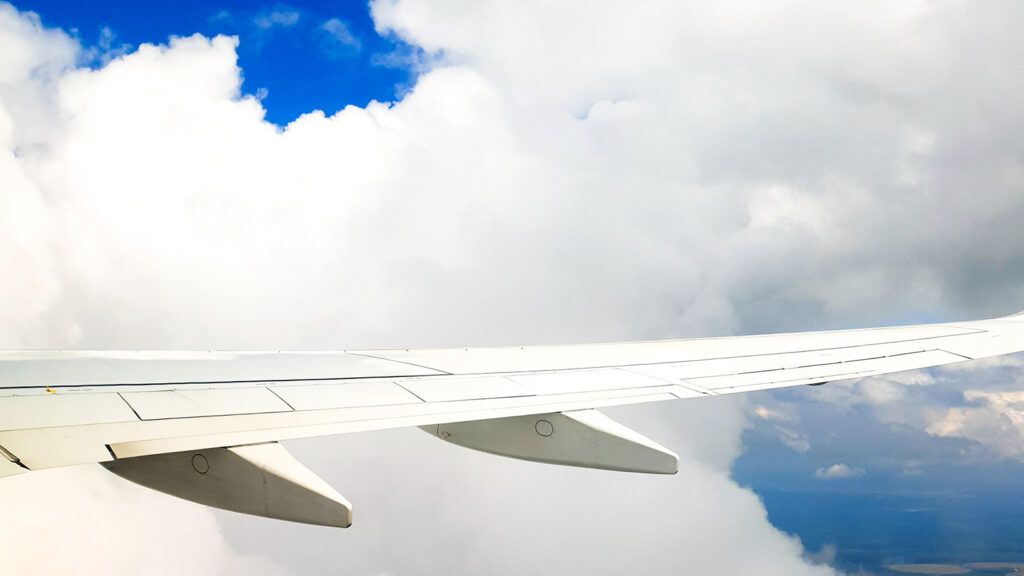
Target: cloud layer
(673, 169)
(84, 521)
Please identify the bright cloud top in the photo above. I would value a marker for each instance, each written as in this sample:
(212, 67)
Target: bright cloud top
(717, 199)
(839, 470)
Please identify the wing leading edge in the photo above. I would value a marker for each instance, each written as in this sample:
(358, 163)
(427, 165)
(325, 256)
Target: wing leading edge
(61, 408)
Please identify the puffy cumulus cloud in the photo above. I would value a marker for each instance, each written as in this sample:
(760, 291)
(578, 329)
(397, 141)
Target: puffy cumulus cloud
(33, 61)
(708, 176)
(994, 419)
(839, 470)
(958, 415)
(170, 215)
(83, 520)
(837, 153)
(557, 173)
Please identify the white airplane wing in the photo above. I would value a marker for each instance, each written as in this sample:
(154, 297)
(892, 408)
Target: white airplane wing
(205, 425)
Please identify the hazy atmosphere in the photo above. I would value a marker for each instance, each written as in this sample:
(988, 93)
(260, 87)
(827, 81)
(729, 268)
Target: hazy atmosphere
(482, 173)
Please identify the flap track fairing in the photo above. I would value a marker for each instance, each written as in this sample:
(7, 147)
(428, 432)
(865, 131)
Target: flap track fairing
(584, 438)
(260, 479)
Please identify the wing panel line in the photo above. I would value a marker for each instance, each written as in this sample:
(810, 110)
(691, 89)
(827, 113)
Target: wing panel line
(442, 373)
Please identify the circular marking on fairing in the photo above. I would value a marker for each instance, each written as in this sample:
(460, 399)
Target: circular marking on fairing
(200, 463)
(544, 428)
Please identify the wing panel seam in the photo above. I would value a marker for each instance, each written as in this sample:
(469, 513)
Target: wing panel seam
(414, 365)
(130, 407)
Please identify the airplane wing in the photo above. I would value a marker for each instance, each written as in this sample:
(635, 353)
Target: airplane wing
(205, 426)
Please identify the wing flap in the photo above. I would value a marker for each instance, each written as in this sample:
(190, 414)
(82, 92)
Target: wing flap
(51, 410)
(163, 404)
(354, 394)
(568, 381)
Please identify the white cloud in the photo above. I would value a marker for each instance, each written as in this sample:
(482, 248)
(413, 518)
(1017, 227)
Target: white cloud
(341, 39)
(839, 470)
(172, 212)
(772, 414)
(1012, 361)
(994, 419)
(784, 419)
(977, 401)
(280, 17)
(794, 439)
(444, 521)
(84, 520)
(816, 147)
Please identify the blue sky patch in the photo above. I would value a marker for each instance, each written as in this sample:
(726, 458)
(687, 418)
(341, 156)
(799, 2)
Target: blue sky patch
(299, 56)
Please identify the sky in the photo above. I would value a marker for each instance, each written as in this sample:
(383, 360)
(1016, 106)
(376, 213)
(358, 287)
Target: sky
(410, 173)
(299, 58)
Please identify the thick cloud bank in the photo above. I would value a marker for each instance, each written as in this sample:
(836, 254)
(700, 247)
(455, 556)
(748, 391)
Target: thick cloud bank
(78, 521)
(558, 173)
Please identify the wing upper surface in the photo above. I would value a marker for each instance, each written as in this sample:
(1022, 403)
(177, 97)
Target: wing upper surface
(60, 408)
